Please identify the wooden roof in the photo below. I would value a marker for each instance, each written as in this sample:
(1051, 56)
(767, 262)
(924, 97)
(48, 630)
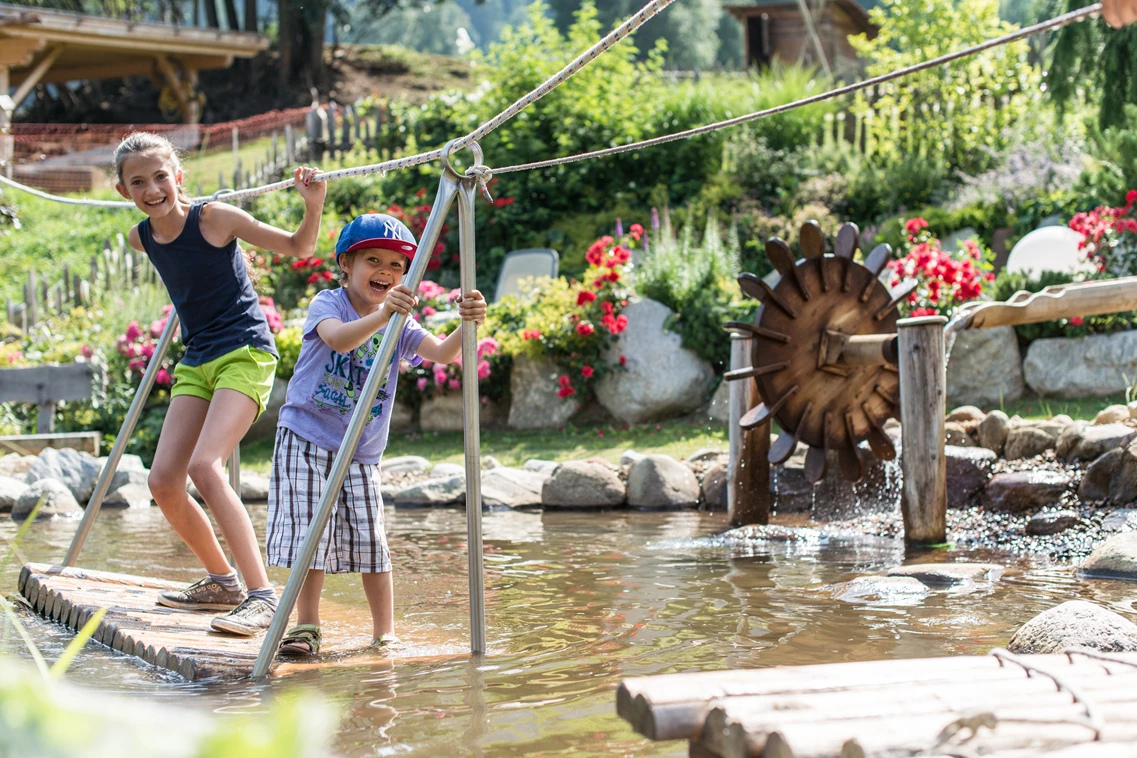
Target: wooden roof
(94, 47)
(852, 8)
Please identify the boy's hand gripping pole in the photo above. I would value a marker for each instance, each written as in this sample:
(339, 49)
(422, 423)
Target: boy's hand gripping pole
(124, 434)
(448, 188)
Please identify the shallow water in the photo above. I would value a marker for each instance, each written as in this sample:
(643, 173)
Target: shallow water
(575, 602)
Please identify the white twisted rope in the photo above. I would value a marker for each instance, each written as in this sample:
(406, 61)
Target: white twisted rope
(1057, 21)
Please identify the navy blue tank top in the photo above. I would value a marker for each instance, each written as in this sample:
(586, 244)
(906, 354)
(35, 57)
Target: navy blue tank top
(211, 291)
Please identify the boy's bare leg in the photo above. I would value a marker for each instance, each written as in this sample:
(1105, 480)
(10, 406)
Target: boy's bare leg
(381, 598)
(230, 415)
(308, 604)
(167, 480)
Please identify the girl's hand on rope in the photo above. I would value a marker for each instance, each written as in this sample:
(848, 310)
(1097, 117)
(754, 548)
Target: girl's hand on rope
(1118, 13)
(472, 307)
(400, 300)
(312, 191)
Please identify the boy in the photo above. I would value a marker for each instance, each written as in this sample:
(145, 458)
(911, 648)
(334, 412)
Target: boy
(341, 338)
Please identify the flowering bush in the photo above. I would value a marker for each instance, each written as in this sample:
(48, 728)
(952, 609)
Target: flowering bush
(1109, 237)
(944, 280)
(573, 323)
(415, 218)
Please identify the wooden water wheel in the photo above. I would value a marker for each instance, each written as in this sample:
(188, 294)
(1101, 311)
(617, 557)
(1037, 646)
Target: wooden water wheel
(824, 355)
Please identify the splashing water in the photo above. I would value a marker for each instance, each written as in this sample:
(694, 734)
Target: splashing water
(955, 325)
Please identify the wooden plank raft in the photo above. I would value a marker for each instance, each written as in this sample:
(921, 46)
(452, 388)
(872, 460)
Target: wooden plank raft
(176, 640)
(1079, 702)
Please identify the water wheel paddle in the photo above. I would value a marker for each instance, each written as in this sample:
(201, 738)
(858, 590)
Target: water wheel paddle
(819, 338)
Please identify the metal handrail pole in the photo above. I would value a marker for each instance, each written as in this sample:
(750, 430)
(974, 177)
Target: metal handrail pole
(471, 407)
(124, 434)
(447, 189)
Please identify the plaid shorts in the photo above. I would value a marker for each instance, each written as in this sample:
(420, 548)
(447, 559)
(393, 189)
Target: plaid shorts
(354, 541)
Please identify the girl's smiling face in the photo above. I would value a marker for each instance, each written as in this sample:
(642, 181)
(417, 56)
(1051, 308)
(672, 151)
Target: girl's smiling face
(151, 180)
(371, 273)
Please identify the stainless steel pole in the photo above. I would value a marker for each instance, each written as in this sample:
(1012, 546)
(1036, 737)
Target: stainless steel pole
(447, 189)
(124, 434)
(471, 407)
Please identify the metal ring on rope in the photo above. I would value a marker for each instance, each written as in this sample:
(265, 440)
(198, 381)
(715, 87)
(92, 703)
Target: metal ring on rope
(480, 172)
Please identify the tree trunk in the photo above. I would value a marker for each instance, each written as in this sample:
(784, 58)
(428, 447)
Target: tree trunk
(211, 19)
(251, 16)
(286, 23)
(316, 42)
(231, 15)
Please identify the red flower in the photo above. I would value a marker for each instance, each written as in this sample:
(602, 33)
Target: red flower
(623, 360)
(531, 334)
(1131, 197)
(587, 372)
(914, 225)
(564, 392)
(314, 278)
(637, 231)
(585, 329)
(585, 297)
(564, 380)
(1078, 320)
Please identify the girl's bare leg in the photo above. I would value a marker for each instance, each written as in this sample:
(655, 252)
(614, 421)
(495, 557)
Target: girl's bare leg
(381, 598)
(167, 481)
(308, 604)
(230, 415)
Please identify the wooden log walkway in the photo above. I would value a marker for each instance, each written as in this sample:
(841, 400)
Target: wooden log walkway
(172, 639)
(1079, 703)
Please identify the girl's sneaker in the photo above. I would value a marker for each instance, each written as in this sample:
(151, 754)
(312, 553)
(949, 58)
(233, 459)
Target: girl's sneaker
(203, 595)
(249, 618)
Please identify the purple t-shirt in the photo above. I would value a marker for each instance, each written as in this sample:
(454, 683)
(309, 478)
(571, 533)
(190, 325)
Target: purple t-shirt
(324, 388)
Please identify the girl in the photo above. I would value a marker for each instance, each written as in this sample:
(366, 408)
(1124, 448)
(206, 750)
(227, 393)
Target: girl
(342, 336)
(224, 380)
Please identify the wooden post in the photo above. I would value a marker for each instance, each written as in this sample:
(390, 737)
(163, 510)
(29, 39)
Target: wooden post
(30, 299)
(748, 472)
(289, 145)
(45, 418)
(332, 129)
(236, 137)
(94, 270)
(923, 397)
(275, 149)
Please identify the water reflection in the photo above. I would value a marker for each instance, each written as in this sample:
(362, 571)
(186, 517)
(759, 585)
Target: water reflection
(575, 602)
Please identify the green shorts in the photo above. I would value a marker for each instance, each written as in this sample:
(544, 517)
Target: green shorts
(247, 370)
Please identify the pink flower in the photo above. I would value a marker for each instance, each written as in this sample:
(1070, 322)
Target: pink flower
(87, 351)
(564, 392)
(148, 350)
(421, 384)
(137, 364)
(439, 375)
(487, 346)
(454, 384)
(431, 290)
(455, 295)
(167, 309)
(163, 378)
(428, 311)
(483, 369)
(587, 372)
(133, 331)
(585, 329)
(157, 326)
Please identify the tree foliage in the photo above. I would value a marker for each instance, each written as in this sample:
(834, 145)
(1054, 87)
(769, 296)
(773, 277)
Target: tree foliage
(1090, 57)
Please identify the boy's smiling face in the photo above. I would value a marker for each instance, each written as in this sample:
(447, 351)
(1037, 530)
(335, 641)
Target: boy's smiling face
(371, 273)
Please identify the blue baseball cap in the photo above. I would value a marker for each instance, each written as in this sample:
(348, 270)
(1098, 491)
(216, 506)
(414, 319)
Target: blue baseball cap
(376, 231)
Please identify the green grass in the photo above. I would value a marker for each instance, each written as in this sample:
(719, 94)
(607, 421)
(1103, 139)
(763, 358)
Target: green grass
(1047, 407)
(203, 169)
(512, 448)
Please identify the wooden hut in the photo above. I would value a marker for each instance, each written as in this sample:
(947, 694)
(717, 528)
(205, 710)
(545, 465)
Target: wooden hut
(811, 32)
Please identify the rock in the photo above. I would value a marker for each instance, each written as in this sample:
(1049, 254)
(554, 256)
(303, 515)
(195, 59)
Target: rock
(993, 431)
(583, 484)
(11, 490)
(449, 490)
(447, 470)
(76, 470)
(956, 434)
(535, 405)
(128, 464)
(402, 418)
(389, 492)
(541, 466)
(1112, 414)
(1023, 490)
(16, 466)
(966, 413)
(1094, 366)
(1098, 439)
(903, 590)
(1062, 420)
(405, 464)
(716, 485)
(135, 492)
(660, 481)
(947, 573)
(628, 457)
(985, 368)
(1123, 484)
(59, 500)
(1070, 438)
(1027, 442)
(1075, 623)
(1097, 477)
(1116, 558)
(265, 425)
(718, 411)
(254, 487)
(489, 463)
(968, 469)
(662, 379)
(504, 487)
(1052, 522)
(1132, 406)
(443, 413)
(1121, 520)
(704, 454)
(1049, 428)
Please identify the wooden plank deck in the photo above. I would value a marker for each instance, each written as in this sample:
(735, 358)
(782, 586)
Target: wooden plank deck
(176, 640)
(1010, 706)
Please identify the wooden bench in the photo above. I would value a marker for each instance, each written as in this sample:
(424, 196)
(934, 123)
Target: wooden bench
(47, 385)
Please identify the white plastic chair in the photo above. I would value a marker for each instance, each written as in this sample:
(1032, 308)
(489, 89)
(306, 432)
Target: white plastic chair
(525, 264)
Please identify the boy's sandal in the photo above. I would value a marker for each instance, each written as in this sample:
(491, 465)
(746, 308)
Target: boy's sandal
(385, 641)
(301, 640)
